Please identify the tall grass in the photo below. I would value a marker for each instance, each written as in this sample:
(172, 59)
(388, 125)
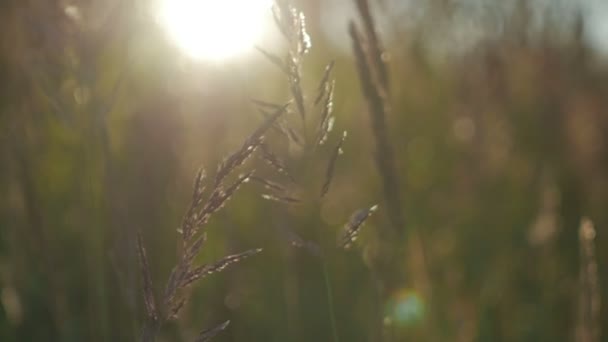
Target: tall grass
(467, 242)
(194, 236)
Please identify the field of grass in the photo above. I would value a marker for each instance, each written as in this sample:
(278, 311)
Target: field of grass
(408, 189)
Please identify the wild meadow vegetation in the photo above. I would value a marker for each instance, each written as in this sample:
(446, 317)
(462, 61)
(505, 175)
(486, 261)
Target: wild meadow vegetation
(414, 187)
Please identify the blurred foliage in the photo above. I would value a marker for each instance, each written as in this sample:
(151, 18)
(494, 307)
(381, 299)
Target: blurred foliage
(102, 125)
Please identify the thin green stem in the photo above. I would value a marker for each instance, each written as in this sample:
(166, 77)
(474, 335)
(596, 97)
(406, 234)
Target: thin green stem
(330, 301)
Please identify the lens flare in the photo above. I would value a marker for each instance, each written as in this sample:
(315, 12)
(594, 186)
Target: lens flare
(212, 29)
(405, 308)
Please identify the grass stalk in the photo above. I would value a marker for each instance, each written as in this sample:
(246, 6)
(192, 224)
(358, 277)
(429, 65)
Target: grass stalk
(330, 302)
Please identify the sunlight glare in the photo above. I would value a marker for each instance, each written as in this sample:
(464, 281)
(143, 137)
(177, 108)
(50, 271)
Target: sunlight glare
(215, 29)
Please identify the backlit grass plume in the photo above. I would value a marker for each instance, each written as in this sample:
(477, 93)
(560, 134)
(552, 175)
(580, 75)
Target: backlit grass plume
(193, 236)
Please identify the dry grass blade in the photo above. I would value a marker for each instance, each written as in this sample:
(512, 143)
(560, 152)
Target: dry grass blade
(207, 335)
(177, 274)
(192, 251)
(373, 94)
(188, 224)
(218, 198)
(176, 308)
(275, 162)
(378, 110)
(281, 199)
(588, 325)
(270, 120)
(292, 24)
(279, 125)
(324, 82)
(233, 161)
(270, 185)
(266, 105)
(294, 137)
(205, 270)
(354, 224)
(255, 139)
(297, 241)
(296, 88)
(329, 175)
(149, 300)
(235, 186)
(328, 126)
(304, 42)
(199, 187)
(189, 221)
(376, 51)
(326, 122)
(274, 59)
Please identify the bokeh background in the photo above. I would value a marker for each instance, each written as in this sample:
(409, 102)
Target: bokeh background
(499, 120)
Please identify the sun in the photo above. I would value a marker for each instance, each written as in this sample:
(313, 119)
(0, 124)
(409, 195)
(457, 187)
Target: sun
(215, 29)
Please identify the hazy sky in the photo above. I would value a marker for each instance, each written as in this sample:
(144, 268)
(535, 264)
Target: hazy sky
(596, 14)
(472, 20)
